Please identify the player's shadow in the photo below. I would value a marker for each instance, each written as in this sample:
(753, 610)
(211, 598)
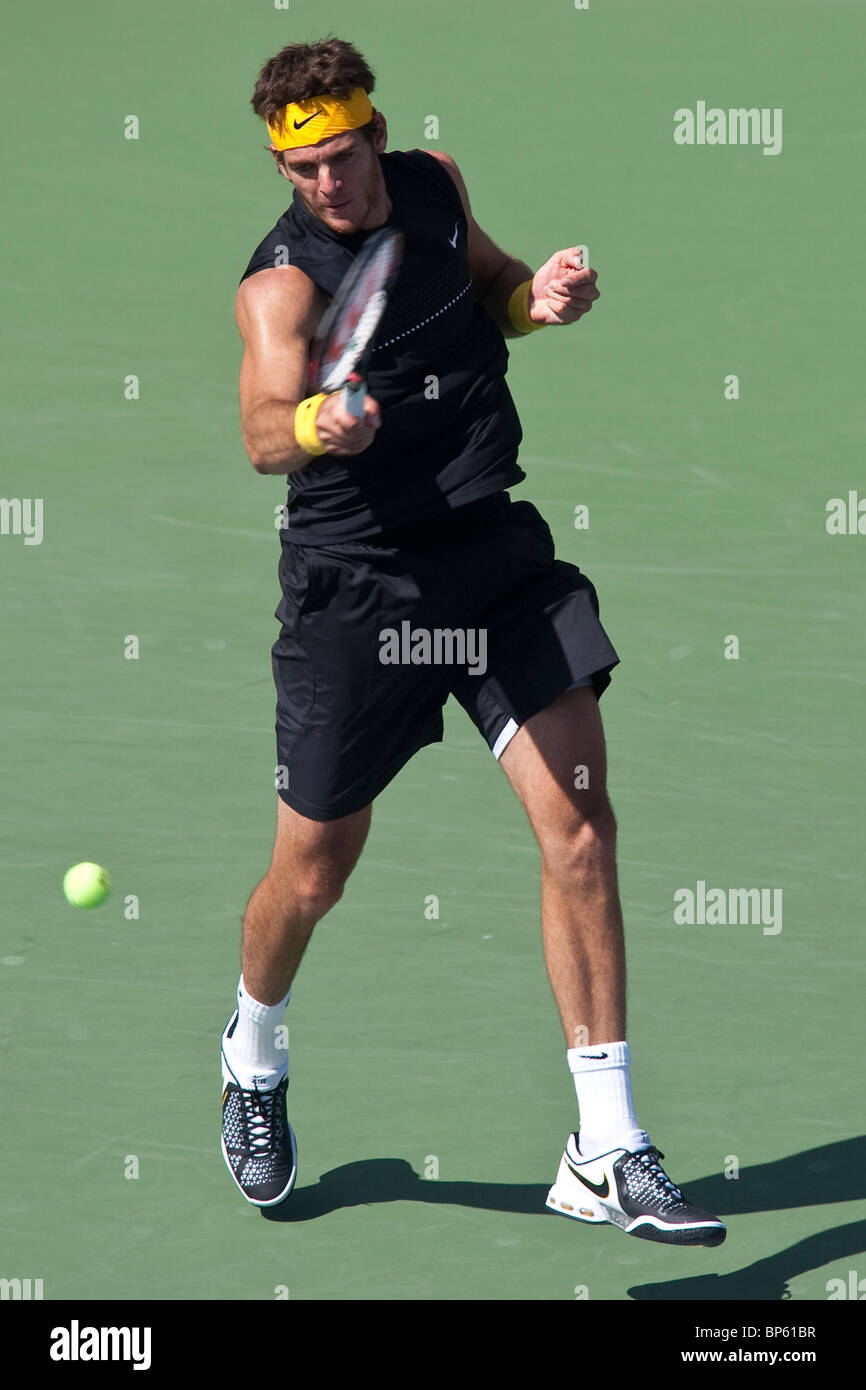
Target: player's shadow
(767, 1279)
(372, 1180)
(831, 1173)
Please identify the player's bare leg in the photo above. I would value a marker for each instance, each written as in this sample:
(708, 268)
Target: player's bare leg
(576, 831)
(310, 864)
(609, 1171)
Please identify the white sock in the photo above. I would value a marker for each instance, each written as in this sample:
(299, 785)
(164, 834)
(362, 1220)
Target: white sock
(603, 1087)
(257, 1048)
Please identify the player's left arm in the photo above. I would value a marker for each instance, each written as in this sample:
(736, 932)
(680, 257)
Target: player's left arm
(562, 290)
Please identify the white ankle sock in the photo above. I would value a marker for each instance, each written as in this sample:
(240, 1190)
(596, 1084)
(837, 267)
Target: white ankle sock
(257, 1049)
(603, 1087)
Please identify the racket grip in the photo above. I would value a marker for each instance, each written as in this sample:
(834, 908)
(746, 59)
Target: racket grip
(352, 396)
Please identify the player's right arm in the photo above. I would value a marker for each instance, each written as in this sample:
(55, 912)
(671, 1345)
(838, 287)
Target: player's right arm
(277, 313)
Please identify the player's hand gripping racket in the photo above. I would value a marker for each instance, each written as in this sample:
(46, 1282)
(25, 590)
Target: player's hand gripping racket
(341, 349)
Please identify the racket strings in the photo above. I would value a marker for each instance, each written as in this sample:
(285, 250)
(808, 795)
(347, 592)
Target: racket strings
(349, 328)
(343, 353)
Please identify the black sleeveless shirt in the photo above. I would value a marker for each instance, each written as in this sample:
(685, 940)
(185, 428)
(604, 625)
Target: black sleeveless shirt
(450, 431)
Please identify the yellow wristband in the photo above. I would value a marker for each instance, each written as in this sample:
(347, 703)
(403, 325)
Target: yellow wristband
(518, 309)
(305, 424)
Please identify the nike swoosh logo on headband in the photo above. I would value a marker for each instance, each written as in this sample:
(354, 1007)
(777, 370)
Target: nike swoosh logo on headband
(298, 124)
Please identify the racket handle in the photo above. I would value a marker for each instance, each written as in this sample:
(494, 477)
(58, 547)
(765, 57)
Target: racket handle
(352, 396)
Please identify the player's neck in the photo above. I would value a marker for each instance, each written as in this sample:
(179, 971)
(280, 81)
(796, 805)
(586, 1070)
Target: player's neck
(379, 219)
(380, 210)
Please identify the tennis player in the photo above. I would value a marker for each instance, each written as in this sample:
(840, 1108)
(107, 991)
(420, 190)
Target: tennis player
(401, 521)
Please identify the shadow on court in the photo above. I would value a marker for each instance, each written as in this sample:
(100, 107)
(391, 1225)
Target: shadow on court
(766, 1279)
(374, 1180)
(831, 1173)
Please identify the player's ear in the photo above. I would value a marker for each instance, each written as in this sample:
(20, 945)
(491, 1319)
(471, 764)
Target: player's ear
(380, 132)
(278, 160)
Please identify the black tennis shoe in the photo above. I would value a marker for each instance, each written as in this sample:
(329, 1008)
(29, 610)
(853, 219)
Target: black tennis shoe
(258, 1142)
(632, 1191)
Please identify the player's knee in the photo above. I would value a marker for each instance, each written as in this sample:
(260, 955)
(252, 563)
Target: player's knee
(582, 842)
(315, 893)
(304, 888)
(313, 860)
(597, 830)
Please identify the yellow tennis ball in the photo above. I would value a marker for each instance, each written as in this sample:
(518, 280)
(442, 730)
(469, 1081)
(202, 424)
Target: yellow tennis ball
(86, 885)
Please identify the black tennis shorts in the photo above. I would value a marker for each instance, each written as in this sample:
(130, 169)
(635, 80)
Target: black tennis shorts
(376, 634)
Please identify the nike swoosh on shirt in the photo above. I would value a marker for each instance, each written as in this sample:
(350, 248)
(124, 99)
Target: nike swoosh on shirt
(454, 239)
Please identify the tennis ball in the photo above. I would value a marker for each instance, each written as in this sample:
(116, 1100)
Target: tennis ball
(86, 885)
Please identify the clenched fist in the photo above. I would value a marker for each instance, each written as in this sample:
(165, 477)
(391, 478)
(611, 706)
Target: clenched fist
(340, 432)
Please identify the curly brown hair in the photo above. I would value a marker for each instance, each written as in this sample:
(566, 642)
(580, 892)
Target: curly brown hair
(304, 70)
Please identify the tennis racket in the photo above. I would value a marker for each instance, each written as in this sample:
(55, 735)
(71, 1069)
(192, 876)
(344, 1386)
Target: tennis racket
(341, 350)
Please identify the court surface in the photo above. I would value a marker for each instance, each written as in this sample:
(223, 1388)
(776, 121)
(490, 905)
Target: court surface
(429, 1089)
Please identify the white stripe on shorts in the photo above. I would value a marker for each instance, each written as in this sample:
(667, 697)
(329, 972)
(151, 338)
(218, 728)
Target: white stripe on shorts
(510, 729)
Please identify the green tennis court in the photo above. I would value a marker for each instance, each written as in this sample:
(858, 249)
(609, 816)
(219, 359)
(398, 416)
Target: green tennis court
(429, 1089)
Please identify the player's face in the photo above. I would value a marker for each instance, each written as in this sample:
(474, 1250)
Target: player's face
(340, 179)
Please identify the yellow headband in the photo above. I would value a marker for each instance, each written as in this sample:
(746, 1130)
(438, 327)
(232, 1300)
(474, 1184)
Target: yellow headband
(317, 118)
